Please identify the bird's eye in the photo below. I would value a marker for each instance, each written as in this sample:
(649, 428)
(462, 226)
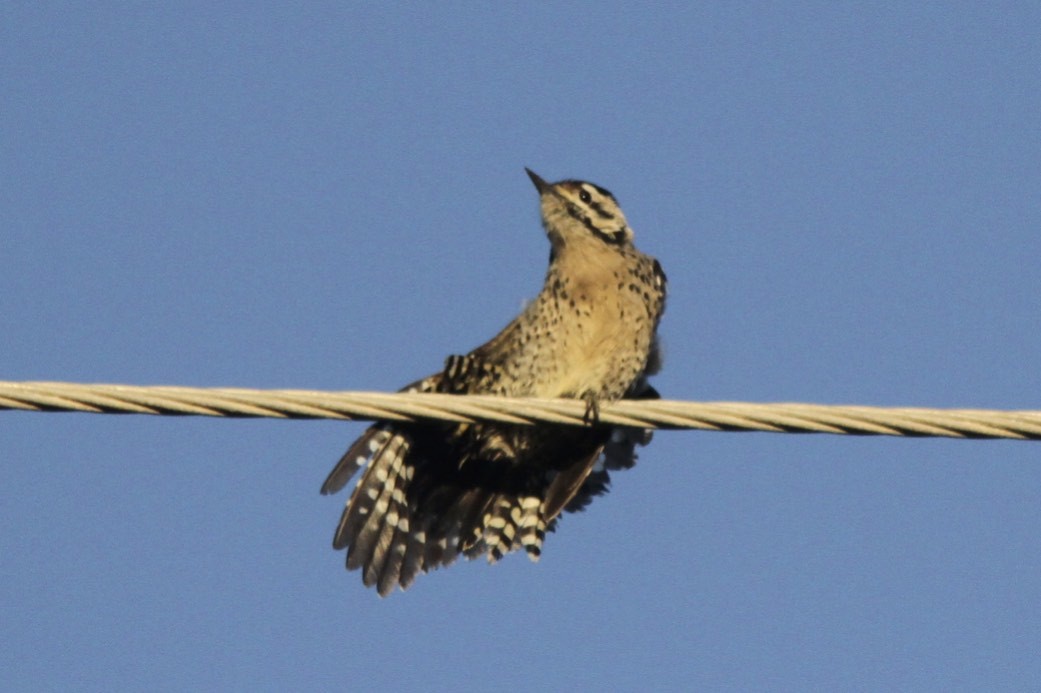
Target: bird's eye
(584, 196)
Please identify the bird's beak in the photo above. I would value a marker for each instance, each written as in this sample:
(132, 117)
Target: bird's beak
(540, 185)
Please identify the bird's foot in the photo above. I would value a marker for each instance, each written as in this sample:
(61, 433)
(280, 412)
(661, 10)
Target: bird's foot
(592, 415)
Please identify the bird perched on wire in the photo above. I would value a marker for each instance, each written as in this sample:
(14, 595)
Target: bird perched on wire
(432, 491)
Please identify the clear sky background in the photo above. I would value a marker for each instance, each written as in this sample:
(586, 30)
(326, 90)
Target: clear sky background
(846, 199)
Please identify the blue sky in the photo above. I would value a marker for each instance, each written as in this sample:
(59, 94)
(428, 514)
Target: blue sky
(846, 199)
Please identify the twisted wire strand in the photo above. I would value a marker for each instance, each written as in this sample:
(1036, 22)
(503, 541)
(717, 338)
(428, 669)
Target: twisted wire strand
(668, 414)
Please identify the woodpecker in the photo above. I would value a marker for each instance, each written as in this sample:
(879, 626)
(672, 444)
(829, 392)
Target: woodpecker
(432, 491)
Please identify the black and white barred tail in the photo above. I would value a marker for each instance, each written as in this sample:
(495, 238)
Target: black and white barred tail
(393, 530)
(417, 507)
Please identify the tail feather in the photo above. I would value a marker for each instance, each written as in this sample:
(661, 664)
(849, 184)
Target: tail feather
(366, 513)
(499, 527)
(361, 550)
(531, 526)
(363, 449)
(412, 562)
(565, 484)
(365, 495)
(385, 565)
(512, 522)
(457, 528)
(378, 542)
(381, 553)
(417, 508)
(371, 445)
(398, 517)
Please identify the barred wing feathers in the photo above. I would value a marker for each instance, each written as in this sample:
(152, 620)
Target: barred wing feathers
(430, 492)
